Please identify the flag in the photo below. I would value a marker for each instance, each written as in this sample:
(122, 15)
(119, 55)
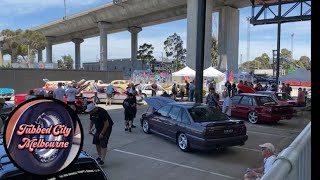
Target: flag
(227, 75)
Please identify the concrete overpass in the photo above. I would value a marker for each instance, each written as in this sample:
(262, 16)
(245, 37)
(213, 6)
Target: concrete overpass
(134, 15)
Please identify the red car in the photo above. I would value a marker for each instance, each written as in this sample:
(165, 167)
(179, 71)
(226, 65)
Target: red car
(281, 97)
(81, 103)
(258, 108)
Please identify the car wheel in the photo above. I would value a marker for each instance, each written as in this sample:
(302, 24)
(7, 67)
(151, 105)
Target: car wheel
(253, 117)
(145, 126)
(183, 142)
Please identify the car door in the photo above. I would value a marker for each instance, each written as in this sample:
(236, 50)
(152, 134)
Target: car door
(160, 118)
(245, 106)
(235, 102)
(170, 124)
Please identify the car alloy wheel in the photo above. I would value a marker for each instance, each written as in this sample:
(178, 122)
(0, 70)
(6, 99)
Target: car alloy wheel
(253, 117)
(145, 126)
(183, 142)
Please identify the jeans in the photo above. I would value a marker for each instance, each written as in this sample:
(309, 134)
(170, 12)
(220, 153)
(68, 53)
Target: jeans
(96, 98)
(191, 93)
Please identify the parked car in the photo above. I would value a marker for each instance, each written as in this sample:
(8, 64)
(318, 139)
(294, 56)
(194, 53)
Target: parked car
(81, 102)
(281, 97)
(258, 108)
(146, 90)
(120, 83)
(6, 93)
(119, 95)
(195, 126)
(5, 110)
(84, 167)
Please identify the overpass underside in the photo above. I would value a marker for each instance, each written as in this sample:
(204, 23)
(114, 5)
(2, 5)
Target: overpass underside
(134, 15)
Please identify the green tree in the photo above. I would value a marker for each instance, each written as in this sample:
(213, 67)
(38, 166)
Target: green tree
(305, 62)
(214, 51)
(66, 62)
(17, 43)
(145, 54)
(263, 62)
(173, 47)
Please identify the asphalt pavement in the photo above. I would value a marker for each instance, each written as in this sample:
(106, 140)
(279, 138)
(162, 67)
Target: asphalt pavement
(137, 155)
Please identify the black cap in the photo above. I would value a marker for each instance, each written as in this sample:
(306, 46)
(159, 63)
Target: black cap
(130, 94)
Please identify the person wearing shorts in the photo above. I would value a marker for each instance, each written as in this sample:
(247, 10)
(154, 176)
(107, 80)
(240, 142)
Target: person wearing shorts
(103, 125)
(109, 92)
(129, 108)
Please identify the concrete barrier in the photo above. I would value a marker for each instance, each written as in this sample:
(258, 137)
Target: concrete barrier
(22, 80)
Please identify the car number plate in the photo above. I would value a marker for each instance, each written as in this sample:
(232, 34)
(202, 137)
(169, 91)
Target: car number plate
(228, 131)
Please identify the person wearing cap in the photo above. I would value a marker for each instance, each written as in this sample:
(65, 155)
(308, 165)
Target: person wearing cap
(103, 125)
(268, 153)
(71, 93)
(129, 108)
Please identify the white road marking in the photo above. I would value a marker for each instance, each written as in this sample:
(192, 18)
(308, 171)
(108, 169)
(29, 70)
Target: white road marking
(267, 134)
(240, 147)
(176, 164)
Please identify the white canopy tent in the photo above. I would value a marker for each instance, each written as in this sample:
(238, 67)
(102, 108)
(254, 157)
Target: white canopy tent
(185, 72)
(219, 77)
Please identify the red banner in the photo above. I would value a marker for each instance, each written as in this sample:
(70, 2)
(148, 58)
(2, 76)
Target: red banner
(298, 83)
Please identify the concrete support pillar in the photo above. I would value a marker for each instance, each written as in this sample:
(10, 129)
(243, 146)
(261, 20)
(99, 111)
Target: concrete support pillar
(228, 39)
(134, 46)
(40, 54)
(1, 54)
(208, 35)
(77, 43)
(192, 13)
(49, 49)
(103, 27)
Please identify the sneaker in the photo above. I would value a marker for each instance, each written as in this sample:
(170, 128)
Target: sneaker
(129, 129)
(101, 163)
(133, 126)
(125, 129)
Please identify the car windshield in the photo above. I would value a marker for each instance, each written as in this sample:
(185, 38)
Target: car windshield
(265, 100)
(207, 114)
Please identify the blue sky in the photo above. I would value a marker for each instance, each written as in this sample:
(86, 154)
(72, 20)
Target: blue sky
(263, 38)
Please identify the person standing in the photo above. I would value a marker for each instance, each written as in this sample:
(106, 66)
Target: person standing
(268, 154)
(103, 125)
(174, 91)
(129, 105)
(71, 93)
(283, 87)
(192, 87)
(95, 91)
(227, 104)
(59, 92)
(288, 89)
(154, 87)
(109, 91)
(211, 99)
(182, 90)
(187, 88)
(301, 98)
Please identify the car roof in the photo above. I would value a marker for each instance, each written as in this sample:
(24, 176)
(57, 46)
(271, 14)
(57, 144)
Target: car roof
(251, 94)
(188, 104)
(7, 167)
(265, 92)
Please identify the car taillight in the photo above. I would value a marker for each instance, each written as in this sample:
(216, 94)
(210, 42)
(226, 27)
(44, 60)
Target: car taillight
(209, 131)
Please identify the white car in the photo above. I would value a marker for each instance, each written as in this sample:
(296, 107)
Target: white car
(146, 90)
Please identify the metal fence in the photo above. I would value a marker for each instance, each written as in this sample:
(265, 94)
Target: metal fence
(294, 162)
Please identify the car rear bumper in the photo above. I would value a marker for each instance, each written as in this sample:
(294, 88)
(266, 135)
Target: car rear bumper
(208, 144)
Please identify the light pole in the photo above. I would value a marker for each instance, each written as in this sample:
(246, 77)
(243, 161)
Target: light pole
(248, 39)
(65, 10)
(292, 35)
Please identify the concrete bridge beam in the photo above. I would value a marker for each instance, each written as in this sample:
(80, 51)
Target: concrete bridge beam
(77, 43)
(103, 29)
(134, 30)
(50, 40)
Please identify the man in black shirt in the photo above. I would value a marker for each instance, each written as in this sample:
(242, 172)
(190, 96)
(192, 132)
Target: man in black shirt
(129, 109)
(103, 125)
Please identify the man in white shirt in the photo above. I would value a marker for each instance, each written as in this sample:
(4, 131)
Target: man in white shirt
(59, 92)
(227, 104)
(268, 153)
(71, 93)
(95, 90)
